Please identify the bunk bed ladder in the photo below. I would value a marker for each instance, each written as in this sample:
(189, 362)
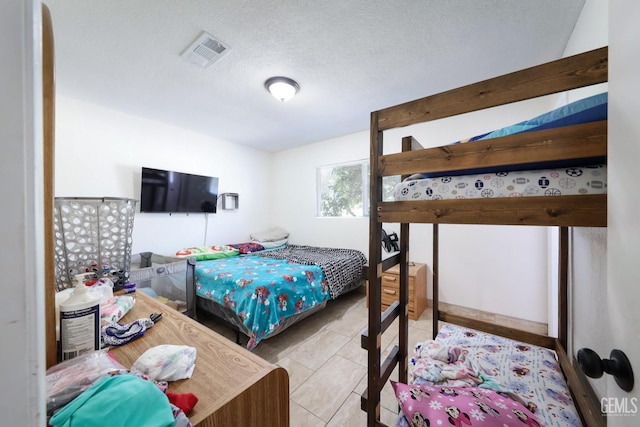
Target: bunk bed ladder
(371, 337)
(379, 373)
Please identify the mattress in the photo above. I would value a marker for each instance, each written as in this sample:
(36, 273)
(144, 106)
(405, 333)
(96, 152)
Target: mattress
(543, 182)
(529, 373)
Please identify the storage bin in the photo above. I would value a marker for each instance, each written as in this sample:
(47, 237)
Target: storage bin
(170, 279)
(93, 234)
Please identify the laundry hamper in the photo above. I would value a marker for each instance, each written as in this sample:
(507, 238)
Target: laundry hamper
(93, 235)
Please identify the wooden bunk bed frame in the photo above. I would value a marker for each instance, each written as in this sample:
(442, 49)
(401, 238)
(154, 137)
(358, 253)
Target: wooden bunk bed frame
(571, 142)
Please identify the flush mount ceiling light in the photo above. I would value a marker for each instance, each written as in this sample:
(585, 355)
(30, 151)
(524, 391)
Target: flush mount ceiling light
(282, 88)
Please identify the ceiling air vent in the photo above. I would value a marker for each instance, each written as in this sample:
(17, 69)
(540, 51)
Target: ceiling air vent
(205, 50)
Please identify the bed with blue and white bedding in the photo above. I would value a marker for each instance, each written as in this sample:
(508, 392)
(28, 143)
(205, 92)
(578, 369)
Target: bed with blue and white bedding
(574, 177)
(263, 293)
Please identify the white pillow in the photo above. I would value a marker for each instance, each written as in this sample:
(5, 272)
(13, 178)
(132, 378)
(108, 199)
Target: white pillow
(270, 235)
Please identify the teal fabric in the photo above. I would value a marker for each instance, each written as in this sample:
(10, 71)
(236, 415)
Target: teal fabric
(262, 291)
(587, 110)
(119, 401)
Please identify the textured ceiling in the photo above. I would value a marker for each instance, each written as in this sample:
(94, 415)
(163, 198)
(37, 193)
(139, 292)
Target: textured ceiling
(350, 57)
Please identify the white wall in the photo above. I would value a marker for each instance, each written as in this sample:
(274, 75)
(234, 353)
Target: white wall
(605, 291)
(623, 270)
(22, 360)
(99, 153)
(293, 193)
(589, 245)
(491, 268)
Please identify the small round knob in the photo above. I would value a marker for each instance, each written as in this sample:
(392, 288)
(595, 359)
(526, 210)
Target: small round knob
(621, 369)
(590, 363)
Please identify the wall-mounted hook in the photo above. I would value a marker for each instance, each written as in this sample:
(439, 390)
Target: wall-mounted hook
(617, 365)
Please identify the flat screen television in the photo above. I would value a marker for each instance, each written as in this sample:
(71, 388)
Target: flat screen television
(177, 192)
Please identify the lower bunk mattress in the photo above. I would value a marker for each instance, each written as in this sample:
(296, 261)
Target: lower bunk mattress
(263, 293)
(467, 377)
(525, 183)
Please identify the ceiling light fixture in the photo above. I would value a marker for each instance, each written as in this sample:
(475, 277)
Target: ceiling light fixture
(282, 88)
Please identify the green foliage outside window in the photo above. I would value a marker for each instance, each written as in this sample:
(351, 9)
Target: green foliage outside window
(343, 190)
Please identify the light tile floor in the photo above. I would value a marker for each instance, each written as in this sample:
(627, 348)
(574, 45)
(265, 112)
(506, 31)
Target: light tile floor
(327, 368)
(326, 365)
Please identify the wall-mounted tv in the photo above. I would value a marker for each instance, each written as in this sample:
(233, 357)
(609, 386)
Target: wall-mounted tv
(177, 192)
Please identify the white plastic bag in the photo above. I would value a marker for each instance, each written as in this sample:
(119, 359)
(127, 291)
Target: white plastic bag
(167, 362)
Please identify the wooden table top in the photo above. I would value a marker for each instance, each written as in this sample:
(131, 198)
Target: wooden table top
(223, 369)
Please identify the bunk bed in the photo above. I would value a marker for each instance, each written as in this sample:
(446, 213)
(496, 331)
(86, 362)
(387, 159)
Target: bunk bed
(572, 143)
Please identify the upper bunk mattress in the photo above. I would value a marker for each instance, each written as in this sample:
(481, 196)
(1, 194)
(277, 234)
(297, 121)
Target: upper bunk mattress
(553, 178)
(544, 182)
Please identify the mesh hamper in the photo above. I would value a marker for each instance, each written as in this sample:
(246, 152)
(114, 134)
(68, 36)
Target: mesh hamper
(93, 234)
(172, 279)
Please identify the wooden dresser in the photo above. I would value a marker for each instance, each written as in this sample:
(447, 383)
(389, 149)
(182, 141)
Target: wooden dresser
(417, 288)
(234, 386)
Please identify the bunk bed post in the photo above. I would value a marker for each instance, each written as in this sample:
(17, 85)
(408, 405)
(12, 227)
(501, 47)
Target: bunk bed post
(374, 273)
(403, 297)
(434, 298)
(563, 282)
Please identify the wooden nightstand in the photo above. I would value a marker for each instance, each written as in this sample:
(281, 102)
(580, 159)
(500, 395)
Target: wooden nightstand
(417, 288)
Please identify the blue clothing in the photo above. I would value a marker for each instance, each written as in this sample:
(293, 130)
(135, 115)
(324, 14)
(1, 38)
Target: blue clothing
(118, 401)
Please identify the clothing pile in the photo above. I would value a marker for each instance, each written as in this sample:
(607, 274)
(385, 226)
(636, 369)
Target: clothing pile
(96, 390)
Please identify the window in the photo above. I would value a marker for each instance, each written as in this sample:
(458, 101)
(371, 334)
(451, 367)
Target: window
(343, 189)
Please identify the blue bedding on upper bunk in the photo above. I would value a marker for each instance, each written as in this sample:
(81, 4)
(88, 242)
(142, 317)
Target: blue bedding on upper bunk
(586, 110)
(591, 109)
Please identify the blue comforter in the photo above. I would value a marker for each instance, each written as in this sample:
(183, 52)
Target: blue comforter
(262, 291)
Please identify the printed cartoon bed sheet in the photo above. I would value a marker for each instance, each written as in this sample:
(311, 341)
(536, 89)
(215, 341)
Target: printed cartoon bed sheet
(545, 182)
(263, 292)
(465, 357)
